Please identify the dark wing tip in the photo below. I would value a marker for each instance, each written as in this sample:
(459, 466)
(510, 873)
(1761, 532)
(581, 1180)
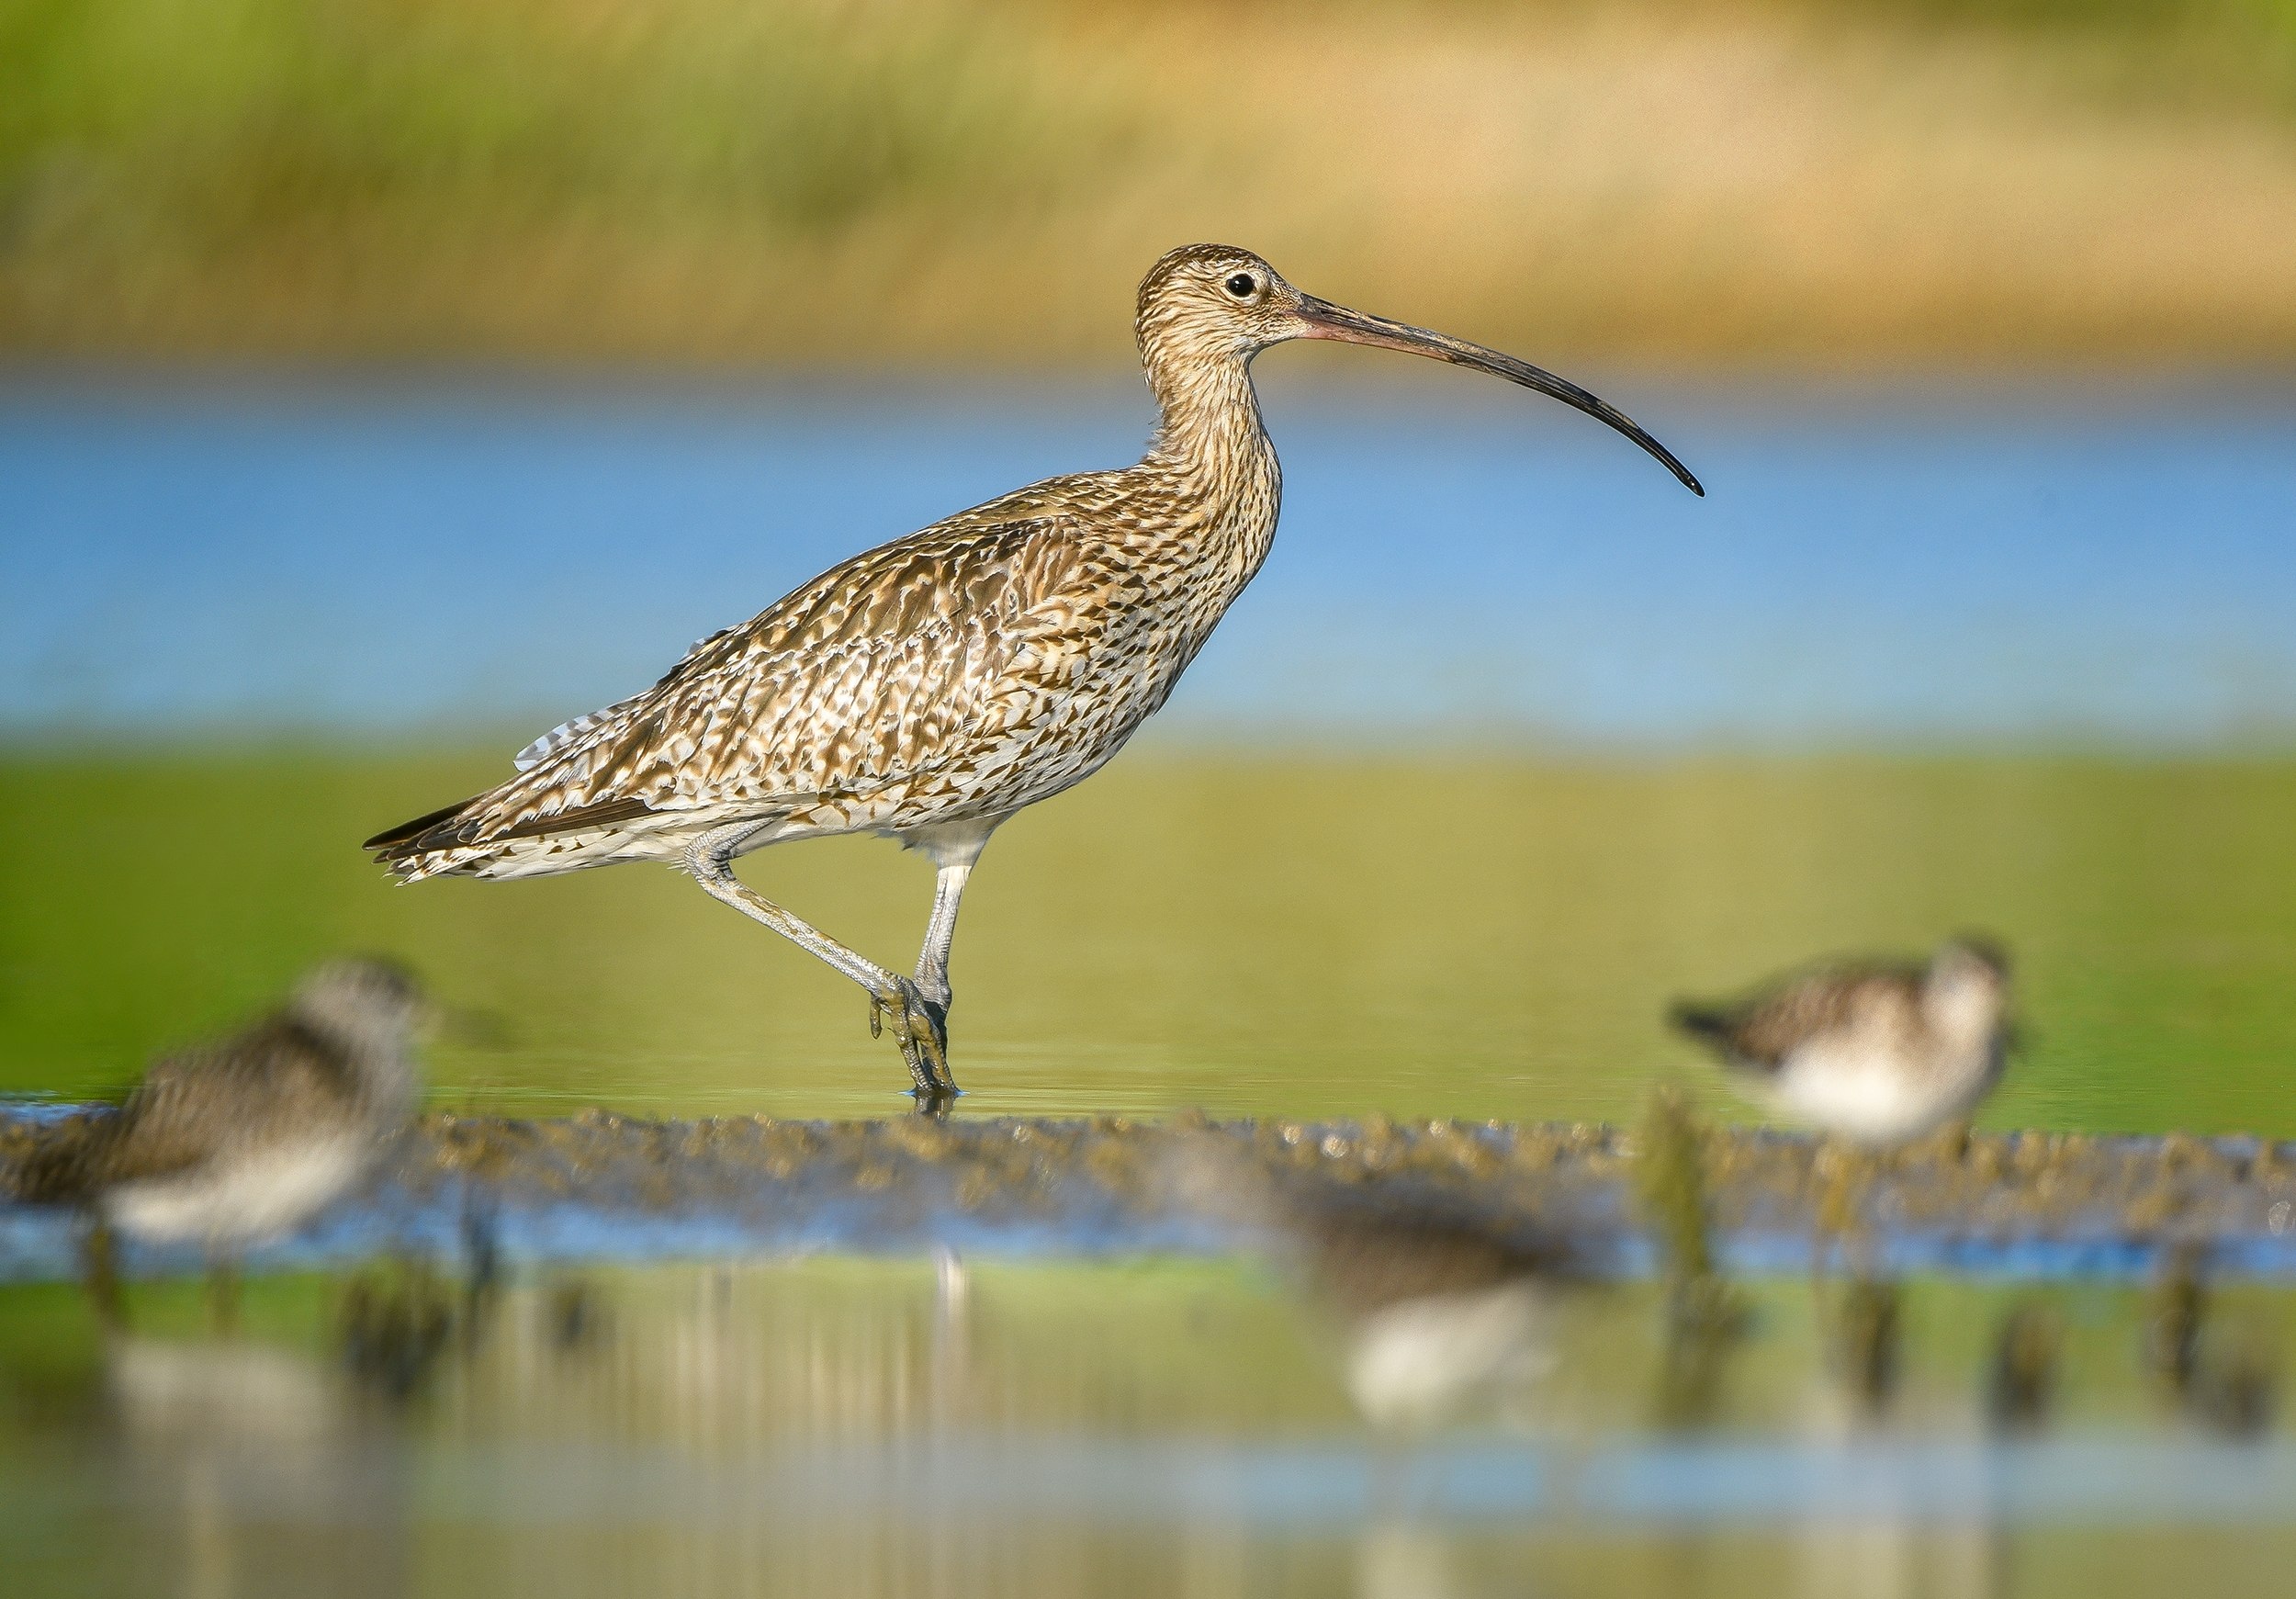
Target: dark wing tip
(1708, 1023)
(407, 837)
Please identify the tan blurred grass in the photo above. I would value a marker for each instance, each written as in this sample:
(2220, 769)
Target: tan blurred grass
(918, 180)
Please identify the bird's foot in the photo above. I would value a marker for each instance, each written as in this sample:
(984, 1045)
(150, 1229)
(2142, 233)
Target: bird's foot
(934, 1102)
(921, 1028)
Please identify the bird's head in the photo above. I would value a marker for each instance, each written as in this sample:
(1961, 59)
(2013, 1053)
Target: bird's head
(362, 991)
(1967, 985)
(1204, 305)
(372, 1011)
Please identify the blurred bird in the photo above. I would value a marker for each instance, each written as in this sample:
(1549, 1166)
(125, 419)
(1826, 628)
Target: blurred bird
(1441, 1315)
(1879, 1052)
(927, 690)
(1440, 1307)
(233, 1143)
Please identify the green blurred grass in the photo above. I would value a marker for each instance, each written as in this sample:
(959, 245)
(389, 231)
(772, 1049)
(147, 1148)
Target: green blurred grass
(1460, 936)
(904, 179)
(232, 118)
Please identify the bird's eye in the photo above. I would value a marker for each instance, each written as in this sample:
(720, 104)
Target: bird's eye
(1242, 285)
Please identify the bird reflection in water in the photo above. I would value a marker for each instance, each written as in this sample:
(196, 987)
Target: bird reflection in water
(257, 1466)
(1444, 1319)
(1444, 1316)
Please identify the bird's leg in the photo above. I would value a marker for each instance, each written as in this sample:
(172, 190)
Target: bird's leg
(99, 1270)
(891, 996)
(953, 852)
(953, 848)
(1849, 1169)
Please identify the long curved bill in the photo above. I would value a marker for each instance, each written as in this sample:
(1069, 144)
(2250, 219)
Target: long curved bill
(1321, 319)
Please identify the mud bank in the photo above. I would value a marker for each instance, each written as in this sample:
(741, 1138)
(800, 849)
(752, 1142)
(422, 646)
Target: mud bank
(602, 1186)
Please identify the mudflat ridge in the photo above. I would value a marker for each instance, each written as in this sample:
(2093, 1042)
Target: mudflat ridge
(600, 1185)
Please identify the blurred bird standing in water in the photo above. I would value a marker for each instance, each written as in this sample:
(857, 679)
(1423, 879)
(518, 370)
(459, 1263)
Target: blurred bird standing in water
(929, 688)
(233, 1143)
(1879, 1052)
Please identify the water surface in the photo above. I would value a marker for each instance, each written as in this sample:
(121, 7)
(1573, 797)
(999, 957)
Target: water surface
(1932, 561)
(1448, 937)
(1506, 632)
(864, 1428)
(1437, 826)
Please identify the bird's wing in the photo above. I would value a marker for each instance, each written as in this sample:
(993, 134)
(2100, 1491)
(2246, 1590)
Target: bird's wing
(573, 729)
(163, 1129)
(196, 1101)
(1764, 1031)
(887, 668)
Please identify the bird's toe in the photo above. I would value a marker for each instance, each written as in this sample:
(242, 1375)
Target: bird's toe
(921, 1026)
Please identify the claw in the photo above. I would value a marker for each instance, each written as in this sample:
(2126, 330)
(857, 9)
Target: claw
(921, 1029)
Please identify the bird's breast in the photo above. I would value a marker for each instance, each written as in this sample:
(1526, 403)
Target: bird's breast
(242, 1198)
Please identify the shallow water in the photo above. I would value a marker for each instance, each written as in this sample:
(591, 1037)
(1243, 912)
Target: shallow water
(1476, 938)
(836, 1426)
(1939, 560)
(1219, 920)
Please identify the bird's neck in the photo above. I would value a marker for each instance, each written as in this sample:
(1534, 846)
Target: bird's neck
(1208, 439)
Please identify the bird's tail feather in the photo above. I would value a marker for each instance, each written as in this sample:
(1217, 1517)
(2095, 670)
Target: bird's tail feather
(53, 1163)
(421, 835)
(1709, 1023)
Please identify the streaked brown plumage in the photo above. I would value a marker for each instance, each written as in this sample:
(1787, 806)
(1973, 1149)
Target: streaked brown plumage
(1876, 1051)
(932, 687)
(229, 1144)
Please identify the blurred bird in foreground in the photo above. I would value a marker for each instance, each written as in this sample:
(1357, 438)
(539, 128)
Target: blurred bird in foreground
(929, 688)
(230, 1144)
(1441, 1310)
(1879, 1052)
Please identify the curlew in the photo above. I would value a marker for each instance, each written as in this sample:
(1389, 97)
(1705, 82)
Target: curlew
(239, 1142)
(1879, 1052)
(932, 687)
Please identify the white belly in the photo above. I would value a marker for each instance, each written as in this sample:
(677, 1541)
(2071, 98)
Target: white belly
(244, 1199)
(1877, 1095)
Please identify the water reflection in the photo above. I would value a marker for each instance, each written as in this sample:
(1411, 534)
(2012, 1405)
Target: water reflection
(1438, 1308)
(946, 1425)
(249, 1469)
